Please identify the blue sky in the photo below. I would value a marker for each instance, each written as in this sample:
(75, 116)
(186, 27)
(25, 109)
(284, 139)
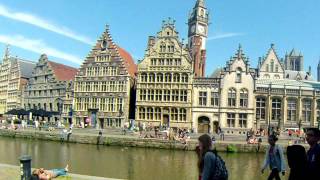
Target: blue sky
(67, 30)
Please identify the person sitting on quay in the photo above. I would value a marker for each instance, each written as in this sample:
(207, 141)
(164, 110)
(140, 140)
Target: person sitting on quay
(43, 174)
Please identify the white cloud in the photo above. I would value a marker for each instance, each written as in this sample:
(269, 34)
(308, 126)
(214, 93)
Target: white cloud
(37, 46)
(224, 35)
(43, 23)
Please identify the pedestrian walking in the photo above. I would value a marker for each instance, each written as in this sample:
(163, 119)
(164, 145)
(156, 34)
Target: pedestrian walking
(297, 161)
(313, 154)
(210, 165)
(274, 158)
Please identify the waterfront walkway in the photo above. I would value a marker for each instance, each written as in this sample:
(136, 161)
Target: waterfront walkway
(10, 172)
(113, 137)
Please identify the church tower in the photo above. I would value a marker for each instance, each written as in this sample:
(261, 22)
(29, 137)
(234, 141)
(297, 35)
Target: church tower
(318, 71)
(197, 35)
(294, 61)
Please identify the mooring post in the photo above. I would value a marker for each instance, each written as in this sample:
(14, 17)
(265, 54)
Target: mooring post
(25, 167)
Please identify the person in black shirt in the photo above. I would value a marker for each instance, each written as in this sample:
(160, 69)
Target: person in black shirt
(313, 154)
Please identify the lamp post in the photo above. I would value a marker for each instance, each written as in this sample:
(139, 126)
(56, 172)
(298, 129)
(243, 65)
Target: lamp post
(60, 108)
(120, 114)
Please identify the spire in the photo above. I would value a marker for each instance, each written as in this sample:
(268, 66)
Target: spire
(7, 52)
(293, 53)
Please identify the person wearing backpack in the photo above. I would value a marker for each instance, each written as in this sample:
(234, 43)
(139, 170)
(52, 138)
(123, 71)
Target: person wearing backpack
(211, 166)
(274, 159)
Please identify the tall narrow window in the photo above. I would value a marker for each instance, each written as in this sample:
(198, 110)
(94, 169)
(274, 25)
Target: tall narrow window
(260, 108)
(215, 99)
(231, 119)
(232, 96)
(238, 75)
(243, 98)
(142, 113)
(184, 78)
(306, 110)
(174, 114)
(159, 77)
(202, 98)
(272, 66)
(292, 110)
(167, 77)
(157, 113)
(149, 113)
(243, 120)
(276, 109)
(183, 114)
(151, 77)
(166, 95)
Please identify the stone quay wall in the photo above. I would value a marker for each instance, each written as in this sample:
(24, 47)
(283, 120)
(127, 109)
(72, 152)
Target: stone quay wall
(131, 141)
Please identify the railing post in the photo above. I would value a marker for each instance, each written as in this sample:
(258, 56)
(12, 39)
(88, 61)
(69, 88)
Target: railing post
(25, 165)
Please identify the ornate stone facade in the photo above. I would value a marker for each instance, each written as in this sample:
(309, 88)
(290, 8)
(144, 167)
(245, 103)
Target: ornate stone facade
(286, 102)
(164, 84)
(14, 74)
(104, 85)
(48, 85)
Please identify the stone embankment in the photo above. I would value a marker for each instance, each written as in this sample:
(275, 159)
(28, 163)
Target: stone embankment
(130, 141)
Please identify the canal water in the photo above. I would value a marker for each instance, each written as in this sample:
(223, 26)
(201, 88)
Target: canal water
(124, 163)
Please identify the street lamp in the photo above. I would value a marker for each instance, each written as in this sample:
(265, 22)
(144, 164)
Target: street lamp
(120, 114)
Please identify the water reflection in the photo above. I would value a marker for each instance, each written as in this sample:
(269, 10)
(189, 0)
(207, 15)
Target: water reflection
(125, 163)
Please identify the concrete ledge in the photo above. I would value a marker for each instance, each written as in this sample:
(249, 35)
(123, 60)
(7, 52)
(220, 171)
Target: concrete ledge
(12, 172)
(131, 141)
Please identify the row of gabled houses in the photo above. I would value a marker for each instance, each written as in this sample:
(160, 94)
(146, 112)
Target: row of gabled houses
(168, 86)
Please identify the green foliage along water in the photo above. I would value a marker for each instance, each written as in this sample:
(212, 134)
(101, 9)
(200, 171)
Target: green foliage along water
(124, 163)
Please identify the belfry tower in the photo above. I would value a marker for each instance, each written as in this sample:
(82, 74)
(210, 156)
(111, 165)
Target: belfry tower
(197, 34)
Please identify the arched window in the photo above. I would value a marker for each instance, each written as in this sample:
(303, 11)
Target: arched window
(176, 77)
(276, 109)
(183, 114)
(232, 96)
(244, 98)
(292, 110)
(306, 110)
(142, 112)
(152, 77)
(260, 108)
(184, 78)
(266, 76)
(202, 13)
(159, 77)
(144, 77)
(168, 77)
(276, 76)
(174, 114)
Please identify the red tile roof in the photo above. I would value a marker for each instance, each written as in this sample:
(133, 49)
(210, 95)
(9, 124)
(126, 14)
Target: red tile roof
(132, 67)
(63, 72)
